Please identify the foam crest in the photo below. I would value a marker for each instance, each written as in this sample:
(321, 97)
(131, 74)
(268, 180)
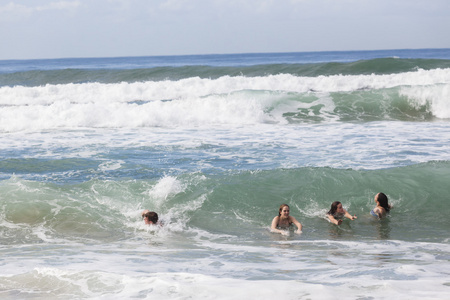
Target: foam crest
(436, 96)
(164, 188)
(187, 112)
(198, 87)
(202, 102)
(44, 282)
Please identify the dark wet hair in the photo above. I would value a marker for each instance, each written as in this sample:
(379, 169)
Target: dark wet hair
(333, 208)
(383, 201)
(281, 208)
(151, 216)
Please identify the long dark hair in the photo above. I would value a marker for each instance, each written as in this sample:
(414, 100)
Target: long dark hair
(333, 208)
(383, 201)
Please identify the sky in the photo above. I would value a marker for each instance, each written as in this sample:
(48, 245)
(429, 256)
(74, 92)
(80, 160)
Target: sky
(35, 29)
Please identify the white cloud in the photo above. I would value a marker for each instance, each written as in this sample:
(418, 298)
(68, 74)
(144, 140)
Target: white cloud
(61, 5)
(176, 5)
(17, 12)
(13, 11)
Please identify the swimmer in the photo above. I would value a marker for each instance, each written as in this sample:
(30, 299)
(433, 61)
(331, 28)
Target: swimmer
(150, 217)
(382, 207)
(337, 213)
(283, 221)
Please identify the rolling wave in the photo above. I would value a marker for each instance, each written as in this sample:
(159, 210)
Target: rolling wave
(378, 66)
(105, 210)
(280, 99)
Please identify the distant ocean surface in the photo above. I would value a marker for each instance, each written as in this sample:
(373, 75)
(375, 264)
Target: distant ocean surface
(215, 144)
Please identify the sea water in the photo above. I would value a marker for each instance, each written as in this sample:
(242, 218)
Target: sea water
(215, 144)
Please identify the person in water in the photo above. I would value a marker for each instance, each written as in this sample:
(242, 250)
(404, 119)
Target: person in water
(283, 221)
(382, 207)
(150, 217)
(337, 213)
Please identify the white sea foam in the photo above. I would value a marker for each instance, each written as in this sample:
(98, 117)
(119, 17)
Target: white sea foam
(196, 101)
(165, 187)
(111, 165)
(319, 269)
(436, 96)
(198, 87)
(95, 155)
(340, 145)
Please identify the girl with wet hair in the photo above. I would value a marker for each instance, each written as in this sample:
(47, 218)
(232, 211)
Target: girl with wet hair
(337, 213)
(284, 221)
(383, 206)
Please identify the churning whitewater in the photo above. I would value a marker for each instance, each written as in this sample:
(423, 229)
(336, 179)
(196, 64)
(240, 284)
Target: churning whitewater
(215, 144)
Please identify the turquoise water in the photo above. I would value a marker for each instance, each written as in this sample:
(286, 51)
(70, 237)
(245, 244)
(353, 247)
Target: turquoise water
(215, 144)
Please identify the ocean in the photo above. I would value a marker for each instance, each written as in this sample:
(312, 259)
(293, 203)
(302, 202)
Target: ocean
(215, 144)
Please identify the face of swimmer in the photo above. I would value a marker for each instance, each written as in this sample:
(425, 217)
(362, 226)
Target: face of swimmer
(147, 221)
(284, 211)
(339, 209)
(376, 199)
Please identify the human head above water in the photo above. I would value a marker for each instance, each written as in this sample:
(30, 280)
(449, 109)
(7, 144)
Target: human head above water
(281, 209)
(150, 217)
(382, 200)
(334, 207)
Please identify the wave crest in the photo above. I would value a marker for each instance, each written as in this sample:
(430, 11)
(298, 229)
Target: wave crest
(282, 99)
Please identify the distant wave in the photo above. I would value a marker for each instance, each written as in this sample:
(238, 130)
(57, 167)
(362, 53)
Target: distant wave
(379, 66)
(420, 95)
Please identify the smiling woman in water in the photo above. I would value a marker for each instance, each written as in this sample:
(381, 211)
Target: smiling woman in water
(284, 221)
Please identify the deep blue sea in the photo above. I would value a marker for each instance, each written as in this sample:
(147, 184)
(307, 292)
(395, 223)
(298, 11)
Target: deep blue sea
(215, 144)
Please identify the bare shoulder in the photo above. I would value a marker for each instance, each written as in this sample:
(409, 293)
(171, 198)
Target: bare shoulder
(292, 219)
(275, 220)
